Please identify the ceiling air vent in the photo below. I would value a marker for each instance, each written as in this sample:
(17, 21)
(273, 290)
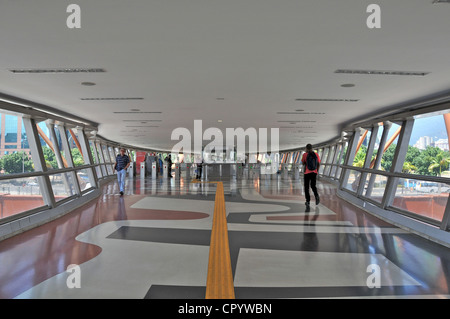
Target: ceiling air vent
(110, 98)
(142, 121)
(59, 70)
(441, 1)
(326, 100)
(302, 113)
(141, 112)
(381, 72)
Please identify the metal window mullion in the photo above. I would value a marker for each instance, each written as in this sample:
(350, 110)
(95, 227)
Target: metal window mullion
(328, 168)
(338, 163)
(445, 223)
(57, 151)
(337, 151)
(107, 157)
(87, 156)
(397, 165)
(69, 159)
(368, 159)
(97, 160)
(101, 160)
(38, 158)
(384, 136)
(350, 156)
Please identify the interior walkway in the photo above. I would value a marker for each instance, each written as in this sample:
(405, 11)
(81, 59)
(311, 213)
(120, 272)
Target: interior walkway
(154, 242)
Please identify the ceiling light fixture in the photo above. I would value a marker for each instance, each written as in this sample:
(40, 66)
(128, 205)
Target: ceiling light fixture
(110, 98)
(327, 100)
(381, 72)
(59, 70)
(125, 112)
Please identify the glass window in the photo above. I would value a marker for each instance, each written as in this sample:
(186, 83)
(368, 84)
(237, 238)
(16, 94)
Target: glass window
(360, 156)
(83, 179)
(353, 181)
(47, 146)
(16, 158)
(75, 148)
(11, 128)
(421, 197)
(19, 195)
(391, 146)
(379, 185)
(428, 151)
(62, 185)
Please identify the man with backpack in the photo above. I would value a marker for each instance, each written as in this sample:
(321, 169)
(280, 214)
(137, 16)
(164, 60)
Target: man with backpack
(311, 163)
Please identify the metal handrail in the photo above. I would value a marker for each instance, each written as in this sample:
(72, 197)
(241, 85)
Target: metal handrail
(437, 179)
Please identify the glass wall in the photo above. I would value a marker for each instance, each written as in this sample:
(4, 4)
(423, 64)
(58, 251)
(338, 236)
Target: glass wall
(36, 170)
(409, 148)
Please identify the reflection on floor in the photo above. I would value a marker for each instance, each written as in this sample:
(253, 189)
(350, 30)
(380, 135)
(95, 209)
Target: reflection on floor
(154, 242)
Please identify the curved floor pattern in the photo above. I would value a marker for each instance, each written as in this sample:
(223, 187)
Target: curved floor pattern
(154, 242)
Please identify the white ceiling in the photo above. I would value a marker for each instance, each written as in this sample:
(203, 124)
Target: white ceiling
(255, 56)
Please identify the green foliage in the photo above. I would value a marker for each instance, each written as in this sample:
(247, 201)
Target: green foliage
(50, 158)
(77, 157)
(431, 161)
(16, 163)
(360, 156)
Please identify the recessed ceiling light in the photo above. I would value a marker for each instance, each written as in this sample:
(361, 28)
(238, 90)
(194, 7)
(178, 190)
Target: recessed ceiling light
(88, 83)
(220, 121)
(348, 85)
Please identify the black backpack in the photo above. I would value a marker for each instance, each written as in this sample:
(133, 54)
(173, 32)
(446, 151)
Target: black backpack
(311, 161)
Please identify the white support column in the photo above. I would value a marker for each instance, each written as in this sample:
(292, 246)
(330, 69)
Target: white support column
(397, 164)
(446, 219)
(97, 160)
(350, 156)
(39, 161)
(57, 151)
(368, 159)
(68, 153)
(87, 156)
(102, 160)
(386, 128)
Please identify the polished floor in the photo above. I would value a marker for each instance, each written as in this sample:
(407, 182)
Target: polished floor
(155, 242)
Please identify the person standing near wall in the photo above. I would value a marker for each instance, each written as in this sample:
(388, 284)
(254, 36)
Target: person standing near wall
(121, 166)
(311, 163)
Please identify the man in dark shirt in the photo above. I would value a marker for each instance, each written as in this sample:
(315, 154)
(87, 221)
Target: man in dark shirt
(121, 166)
(169, 165)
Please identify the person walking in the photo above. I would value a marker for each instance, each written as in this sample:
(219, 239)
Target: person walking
(311, 163)
(121, 166)
(169, 165)
(199, 169)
